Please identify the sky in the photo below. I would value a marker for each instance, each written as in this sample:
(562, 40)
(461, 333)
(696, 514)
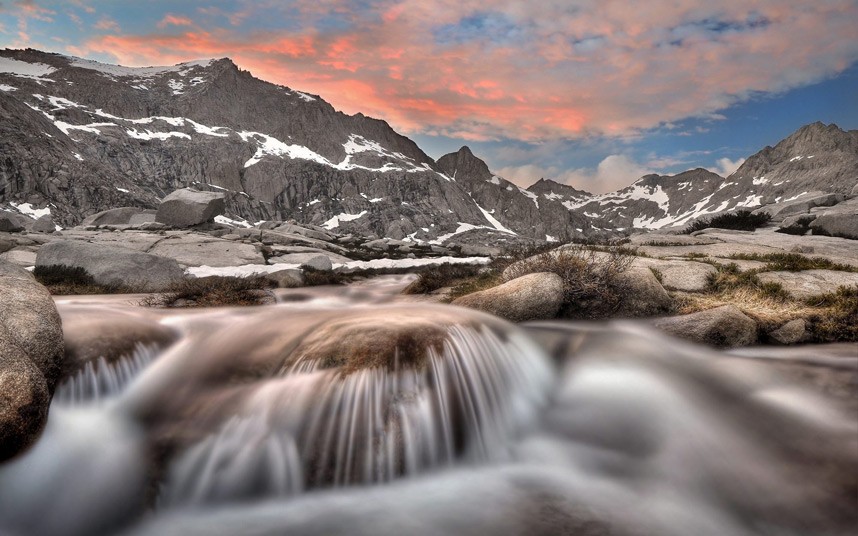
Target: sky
(591, 93)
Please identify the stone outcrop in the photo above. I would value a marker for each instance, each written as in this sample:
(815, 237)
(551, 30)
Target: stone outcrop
(188, 207)
(112, 266)
(31, 350)
(536, 296)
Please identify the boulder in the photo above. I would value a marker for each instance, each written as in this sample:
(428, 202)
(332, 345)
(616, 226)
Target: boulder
(810, 283)
(288, 278)
(689, 276)
(188, 207)
(109, 265)
(802, 205)
(642, 294)
(536, 296)
(202, 250)
(45, 224)
(724, 326)
(837, 223)
(792, 332)
(321, 263)
(118, 216)
(31, 350)
(796, 225)
(10, 222)
(301, 257)
(20, 256)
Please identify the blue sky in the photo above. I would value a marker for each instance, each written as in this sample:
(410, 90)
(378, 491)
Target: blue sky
(593, 93)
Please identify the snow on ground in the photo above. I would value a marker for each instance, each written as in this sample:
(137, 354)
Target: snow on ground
(235, 223)
(149, 135)
(496, 224)
(4, 87)
(123, 190)
(531, 195)
(248, 270)
(25, 69)
(30, 210)
(334, 222)
(139, 72)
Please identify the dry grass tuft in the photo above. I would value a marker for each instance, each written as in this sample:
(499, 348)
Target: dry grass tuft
(213, 292)
(62, 280)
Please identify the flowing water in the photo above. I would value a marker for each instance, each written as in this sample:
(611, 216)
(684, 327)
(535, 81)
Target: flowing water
(349, 411)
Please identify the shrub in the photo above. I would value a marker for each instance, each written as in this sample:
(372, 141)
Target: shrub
(743, 220)
(62, 280)
(591, 286)
(213, 292)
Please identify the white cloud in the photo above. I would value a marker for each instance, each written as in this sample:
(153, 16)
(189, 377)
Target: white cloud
(725, 167)
(615, 172)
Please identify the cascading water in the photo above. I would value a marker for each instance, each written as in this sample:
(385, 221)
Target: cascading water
(104, 379)
(349, 419)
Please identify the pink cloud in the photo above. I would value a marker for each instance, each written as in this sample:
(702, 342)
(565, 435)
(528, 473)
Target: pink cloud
(547, 70)
(174, 20)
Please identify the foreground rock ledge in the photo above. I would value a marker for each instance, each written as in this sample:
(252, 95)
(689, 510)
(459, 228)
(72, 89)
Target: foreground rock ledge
(725, 326)
(31, 350)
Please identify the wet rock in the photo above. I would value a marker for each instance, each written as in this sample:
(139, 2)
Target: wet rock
(809, 283)
(321, 263)
(188, 207)
(31, 349)
(536, 296)
(792, 332)
(642, 294)
(109, 265)
(724, 326)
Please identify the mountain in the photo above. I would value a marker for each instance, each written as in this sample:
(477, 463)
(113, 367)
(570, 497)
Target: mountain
(78, 137)
(815, 158)
(81, 136)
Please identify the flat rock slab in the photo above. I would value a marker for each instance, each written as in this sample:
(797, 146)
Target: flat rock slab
(710, 250)
(21, 257)
(132, 240)
(200, 250)
(661, 239)
(810, 283)
(827, 246)
(690, 276)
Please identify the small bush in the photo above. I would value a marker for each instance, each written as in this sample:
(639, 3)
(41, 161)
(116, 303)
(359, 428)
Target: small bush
(591, 285)
(743, 220)
(62, 280)
(213, 292)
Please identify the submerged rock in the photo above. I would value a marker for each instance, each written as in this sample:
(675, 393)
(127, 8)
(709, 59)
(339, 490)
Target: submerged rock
(792, 332)
(536, 296)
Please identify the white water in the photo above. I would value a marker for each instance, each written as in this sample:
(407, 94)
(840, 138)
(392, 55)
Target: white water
(619, 431)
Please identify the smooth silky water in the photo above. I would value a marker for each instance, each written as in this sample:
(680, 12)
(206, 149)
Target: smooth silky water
(441, 421)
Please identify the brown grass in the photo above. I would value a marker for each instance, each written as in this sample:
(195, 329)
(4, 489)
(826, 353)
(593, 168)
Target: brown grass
(213, 292)
(62, 280)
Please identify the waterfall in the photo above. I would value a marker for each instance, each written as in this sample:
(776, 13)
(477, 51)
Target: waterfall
(103, 379)
(317, 428)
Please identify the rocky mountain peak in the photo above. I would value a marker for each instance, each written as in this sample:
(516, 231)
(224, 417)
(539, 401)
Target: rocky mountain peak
(463, 164)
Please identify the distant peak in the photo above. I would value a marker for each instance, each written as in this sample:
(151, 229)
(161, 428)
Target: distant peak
(465, 150)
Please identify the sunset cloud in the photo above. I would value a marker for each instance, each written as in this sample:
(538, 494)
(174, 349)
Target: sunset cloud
(493, 70)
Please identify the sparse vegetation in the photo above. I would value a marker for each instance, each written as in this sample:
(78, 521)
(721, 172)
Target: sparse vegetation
(793, 262)
(839, 321)
(658, 275)
(213, 292)
(742, 220)
(592, 288)
(62, 280)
